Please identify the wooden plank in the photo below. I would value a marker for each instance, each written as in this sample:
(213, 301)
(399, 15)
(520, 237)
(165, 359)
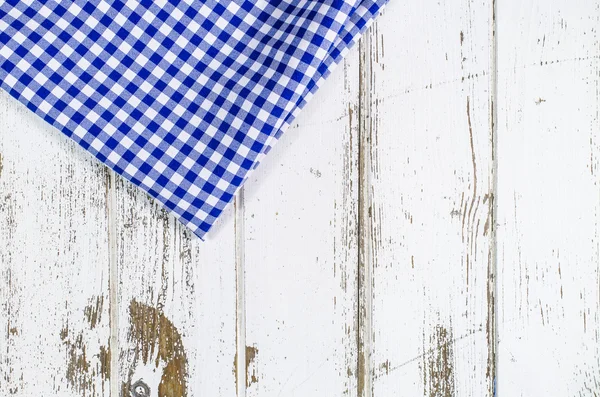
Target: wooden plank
(54, 257)
(300, 251)
(176, 302)
(426, 202)
(548, 189)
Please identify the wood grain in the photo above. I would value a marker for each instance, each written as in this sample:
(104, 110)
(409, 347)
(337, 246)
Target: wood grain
(171, 308)
(176, 304)
(427, 201)
(54, 280)
(428, 226)
(548, 197)
(300, 251)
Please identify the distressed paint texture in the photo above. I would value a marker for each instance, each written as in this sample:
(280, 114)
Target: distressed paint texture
(300, 250)
(84, 365)
(361, 257)
(548, 190)
(176, 301)
(156, 343)
(439, 379)
(427, 185)
(53, 262)
(60, 299)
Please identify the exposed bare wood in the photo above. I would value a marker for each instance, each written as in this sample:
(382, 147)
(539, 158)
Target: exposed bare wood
(240, 361)
(428, 226)
(54, 256)
(428, 147)
(177, 302)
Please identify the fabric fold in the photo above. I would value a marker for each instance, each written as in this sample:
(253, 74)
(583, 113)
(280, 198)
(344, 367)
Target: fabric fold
(181, 97)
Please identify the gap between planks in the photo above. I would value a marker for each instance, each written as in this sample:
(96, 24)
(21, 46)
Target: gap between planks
(365, 242)
(240, 359)
(365, 253)
(111, 203)
(240, 331)
(492, 279)
(365, 260)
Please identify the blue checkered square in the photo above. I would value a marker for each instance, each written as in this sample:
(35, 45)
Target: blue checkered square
(182, 97)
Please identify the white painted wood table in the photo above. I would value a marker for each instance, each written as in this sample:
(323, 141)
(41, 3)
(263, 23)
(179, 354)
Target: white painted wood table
(428, 227)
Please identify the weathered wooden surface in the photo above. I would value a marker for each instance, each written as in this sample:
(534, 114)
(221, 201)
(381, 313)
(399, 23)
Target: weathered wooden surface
(54, 262)
(426, 202)
(427, 227)
(176, 306)
(548, 198)
(300, 251)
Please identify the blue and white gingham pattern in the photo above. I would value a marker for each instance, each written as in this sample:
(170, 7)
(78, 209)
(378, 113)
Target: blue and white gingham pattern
(181, 97)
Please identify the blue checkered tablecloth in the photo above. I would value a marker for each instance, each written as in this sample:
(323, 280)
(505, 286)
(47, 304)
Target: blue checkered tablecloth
(181, 97)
